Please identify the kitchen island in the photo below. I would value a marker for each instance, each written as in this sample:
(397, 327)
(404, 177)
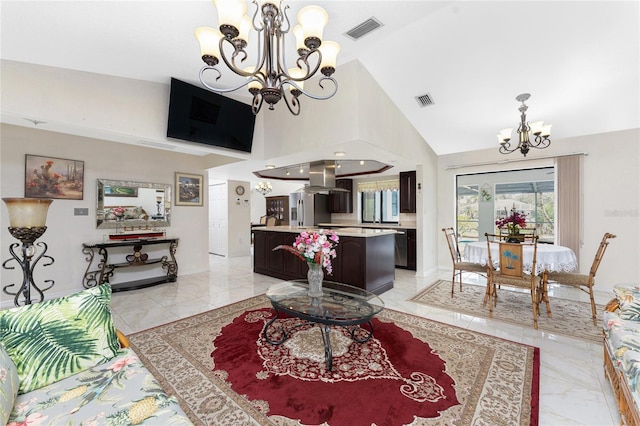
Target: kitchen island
(365, 257)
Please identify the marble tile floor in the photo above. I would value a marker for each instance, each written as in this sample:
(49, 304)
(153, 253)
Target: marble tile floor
(573, 389)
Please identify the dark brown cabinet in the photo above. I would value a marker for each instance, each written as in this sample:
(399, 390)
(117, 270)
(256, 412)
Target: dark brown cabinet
(408, 192)
(279, 207)
(366, 263)
(411, 249)
(342, 202)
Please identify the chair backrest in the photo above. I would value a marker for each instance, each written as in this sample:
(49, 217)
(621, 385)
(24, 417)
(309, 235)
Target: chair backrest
(511, 259)
(263, 219)
(526, 234)
(600, 253)
(511, 262)
(452, 241)
(272, 221)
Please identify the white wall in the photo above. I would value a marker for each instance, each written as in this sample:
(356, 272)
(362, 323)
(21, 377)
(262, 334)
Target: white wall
(611, 196)
(239, 219)
(66, 232)
(362, 111)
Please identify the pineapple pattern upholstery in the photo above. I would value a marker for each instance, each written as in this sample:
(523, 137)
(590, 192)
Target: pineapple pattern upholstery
(119, 392)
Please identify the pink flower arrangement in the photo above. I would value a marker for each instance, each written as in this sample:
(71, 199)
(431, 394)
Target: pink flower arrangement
(314, 247)
(513, 222)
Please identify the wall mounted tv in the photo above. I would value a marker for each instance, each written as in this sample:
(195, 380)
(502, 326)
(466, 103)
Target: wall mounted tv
(198, 115)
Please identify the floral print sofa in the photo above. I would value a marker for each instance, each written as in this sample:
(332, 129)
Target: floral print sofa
(622, 351)
(61, 363)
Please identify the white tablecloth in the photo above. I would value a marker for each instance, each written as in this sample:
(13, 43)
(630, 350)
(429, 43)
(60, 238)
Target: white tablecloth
(550, 257)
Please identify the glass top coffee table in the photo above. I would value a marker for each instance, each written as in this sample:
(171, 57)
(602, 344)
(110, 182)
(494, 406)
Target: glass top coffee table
(340, 305)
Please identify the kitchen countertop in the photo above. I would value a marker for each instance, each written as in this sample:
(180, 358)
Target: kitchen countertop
(342, 232)
(408, 225)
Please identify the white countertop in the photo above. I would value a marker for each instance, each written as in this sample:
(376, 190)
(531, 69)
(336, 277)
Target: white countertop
(346, 232)
(408, 225)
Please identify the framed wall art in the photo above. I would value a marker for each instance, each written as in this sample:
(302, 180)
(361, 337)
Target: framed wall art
(188, 189)
(51, 177)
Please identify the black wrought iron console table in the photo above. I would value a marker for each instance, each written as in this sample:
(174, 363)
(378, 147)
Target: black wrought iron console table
(102, 271)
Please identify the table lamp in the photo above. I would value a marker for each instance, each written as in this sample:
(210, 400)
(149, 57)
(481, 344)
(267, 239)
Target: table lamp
(27, 219)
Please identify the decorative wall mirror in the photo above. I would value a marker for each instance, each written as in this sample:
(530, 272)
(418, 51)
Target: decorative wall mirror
(140, 205)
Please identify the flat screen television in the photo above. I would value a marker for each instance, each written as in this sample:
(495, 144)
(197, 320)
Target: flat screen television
(198, 115)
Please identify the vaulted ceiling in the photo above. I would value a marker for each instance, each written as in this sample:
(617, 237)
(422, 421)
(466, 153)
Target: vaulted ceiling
(578, 59)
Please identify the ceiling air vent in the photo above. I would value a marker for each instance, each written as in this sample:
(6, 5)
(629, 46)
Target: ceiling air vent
(425, 100)
(364, 28)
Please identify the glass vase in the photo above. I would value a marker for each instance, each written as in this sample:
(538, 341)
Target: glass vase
(315, 276)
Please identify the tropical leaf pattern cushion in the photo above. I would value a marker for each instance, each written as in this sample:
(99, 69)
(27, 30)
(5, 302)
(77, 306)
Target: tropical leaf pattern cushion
(9, 383)
(57, 338)
(119, 392)
(629, 300)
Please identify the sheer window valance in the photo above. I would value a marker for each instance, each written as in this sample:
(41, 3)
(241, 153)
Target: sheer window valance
(380, 185)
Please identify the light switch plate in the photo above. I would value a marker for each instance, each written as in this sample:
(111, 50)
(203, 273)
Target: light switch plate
(81, 211)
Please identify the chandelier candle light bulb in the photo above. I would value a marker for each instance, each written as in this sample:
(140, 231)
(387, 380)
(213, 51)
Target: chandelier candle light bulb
(266, 80)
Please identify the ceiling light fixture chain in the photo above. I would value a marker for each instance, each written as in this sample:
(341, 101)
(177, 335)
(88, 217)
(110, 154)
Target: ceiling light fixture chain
(269, 80)
(526, 130)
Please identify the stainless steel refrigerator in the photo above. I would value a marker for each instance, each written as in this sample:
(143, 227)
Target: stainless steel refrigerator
(308, 209)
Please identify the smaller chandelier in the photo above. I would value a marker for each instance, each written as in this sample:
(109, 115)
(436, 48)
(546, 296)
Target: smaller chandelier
(264, 188)
(537, 129)
(270, 79)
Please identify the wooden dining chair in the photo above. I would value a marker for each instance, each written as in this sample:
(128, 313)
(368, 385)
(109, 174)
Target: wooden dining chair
(458, 265)
(511, 273)
(582, 281)
(272, 221)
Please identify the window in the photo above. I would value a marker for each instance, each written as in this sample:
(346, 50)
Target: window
(380, 206)
(535, 199)
(481, 198)
(467, 203)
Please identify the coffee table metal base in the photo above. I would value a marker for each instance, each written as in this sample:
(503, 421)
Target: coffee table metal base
(326, 335)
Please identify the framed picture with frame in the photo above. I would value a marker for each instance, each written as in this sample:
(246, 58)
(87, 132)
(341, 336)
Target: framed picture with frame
(51, 177)
(188, 189)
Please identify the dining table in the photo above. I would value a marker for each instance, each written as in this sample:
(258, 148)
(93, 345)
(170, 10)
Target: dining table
(549, 257)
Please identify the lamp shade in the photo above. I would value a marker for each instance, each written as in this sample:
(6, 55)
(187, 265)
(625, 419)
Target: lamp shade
(536, 127)
(209, 39)
(27, 212)
(298, 32)
(245, 28)
(505, 134)
(329, 50)
(312, 19)
(297, 73)
(230, 12)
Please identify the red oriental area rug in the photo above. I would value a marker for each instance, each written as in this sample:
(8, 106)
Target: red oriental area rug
(391, 376)
(413, 371)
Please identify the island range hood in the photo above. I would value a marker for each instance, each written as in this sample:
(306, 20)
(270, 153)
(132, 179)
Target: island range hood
(322, 178)
(322, 173)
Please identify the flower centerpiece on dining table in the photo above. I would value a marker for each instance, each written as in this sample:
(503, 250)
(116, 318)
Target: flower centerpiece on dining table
(317, 249)
(513, 223)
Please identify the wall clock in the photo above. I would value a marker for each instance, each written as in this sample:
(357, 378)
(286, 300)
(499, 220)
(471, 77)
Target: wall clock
(239, 189)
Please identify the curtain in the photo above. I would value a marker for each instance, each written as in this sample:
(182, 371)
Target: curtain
(569, 195)
(380, 185)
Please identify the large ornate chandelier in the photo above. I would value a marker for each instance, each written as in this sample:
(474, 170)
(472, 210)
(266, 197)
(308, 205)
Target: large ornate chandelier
(537, 129)
(270, 79)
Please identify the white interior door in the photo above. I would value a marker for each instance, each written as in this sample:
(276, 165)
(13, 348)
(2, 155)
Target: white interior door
(218, 219)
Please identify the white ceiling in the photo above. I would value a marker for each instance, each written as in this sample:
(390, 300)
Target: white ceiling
(578, 59)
